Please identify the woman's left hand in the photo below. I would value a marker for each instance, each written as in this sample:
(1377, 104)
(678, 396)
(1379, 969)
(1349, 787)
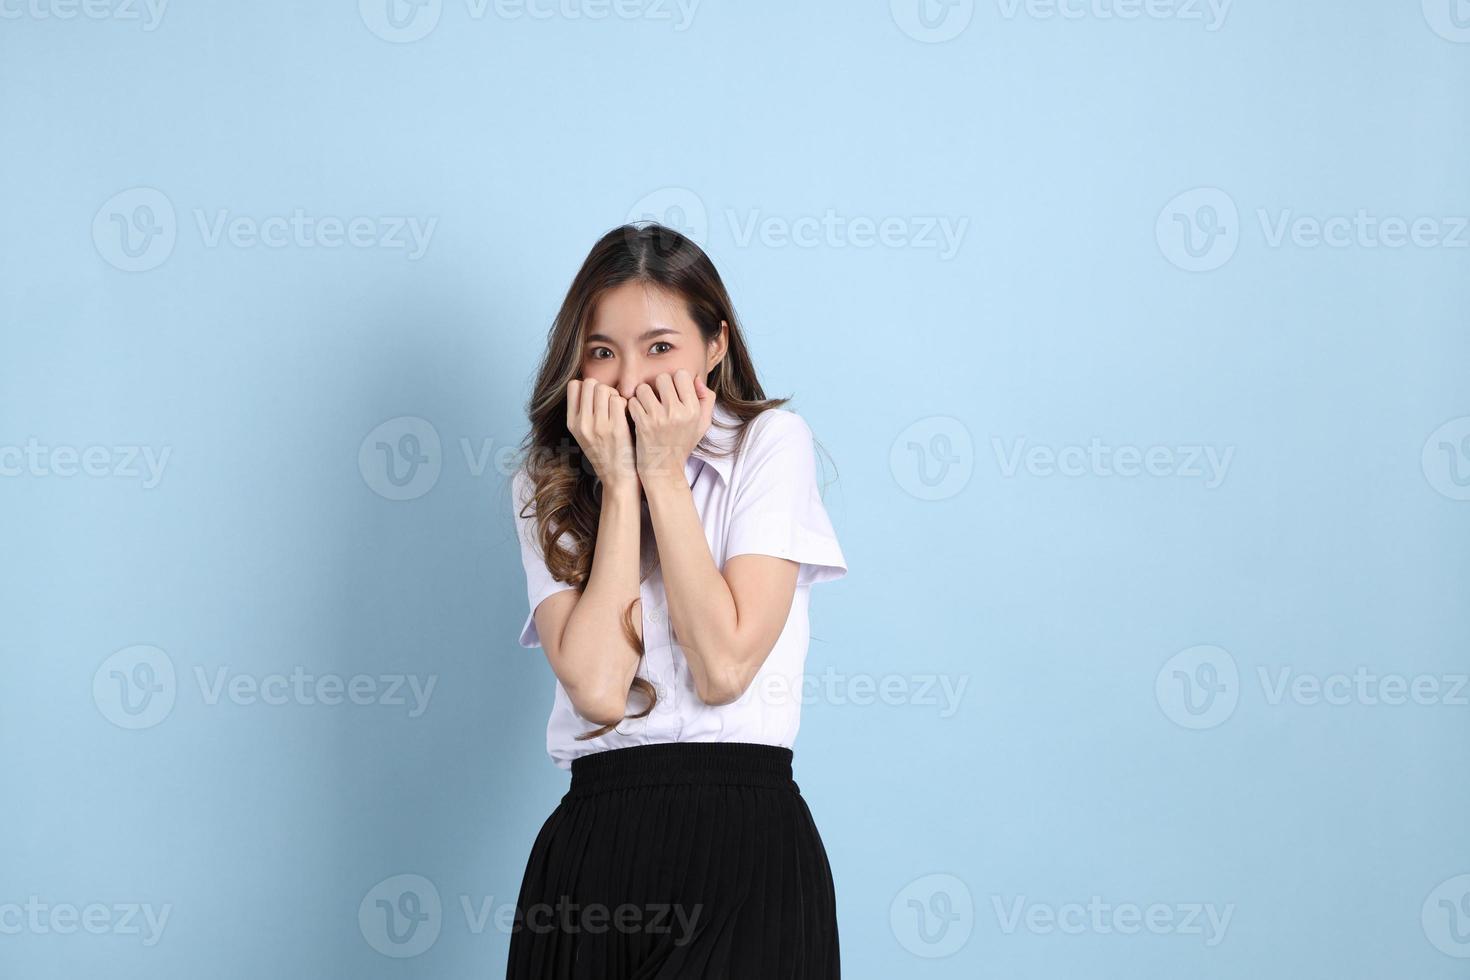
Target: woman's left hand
(670, 422)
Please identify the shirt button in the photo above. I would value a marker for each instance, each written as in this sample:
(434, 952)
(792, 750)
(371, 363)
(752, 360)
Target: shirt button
(656, 616)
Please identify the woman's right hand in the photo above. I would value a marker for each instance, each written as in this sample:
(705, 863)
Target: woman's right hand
(597, 417)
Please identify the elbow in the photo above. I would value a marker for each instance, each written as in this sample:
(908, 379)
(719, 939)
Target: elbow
(726, 684)
(722, 697)
(603, 708)
(605, 713)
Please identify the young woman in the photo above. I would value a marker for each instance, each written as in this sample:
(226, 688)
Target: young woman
(671, 529)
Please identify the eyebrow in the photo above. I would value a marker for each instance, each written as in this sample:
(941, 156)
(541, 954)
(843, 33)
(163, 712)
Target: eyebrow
(648, 335)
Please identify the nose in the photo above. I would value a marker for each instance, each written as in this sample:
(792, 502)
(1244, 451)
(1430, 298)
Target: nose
(630, 378)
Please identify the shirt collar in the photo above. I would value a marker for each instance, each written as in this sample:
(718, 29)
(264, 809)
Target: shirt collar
(720, 439)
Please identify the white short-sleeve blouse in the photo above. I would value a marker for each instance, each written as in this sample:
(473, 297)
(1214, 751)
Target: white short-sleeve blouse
(763, 500)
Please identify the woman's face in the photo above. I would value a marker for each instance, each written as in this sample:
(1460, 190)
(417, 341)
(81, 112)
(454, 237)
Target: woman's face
(638, 332)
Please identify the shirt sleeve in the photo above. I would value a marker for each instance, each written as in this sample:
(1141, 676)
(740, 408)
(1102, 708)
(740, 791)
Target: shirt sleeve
(777, 508)
(539, 583)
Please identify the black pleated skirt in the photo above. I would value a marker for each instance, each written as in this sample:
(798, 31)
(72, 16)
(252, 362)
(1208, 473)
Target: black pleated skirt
(690, 860)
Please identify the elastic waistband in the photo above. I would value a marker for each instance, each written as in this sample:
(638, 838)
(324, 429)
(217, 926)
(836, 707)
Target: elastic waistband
(718, 763)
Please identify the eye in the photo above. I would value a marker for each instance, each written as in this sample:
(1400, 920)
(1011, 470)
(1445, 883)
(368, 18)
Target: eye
(663, 343)
(593, 353)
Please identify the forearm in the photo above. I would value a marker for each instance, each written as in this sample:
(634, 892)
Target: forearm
(597, 661)
(701, 606)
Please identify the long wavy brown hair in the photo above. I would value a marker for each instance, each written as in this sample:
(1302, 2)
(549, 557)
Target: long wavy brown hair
(567, 494)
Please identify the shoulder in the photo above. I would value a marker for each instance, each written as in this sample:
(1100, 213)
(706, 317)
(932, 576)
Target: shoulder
(518, 481)
(778, 449)
(522, 489)
(777, 428)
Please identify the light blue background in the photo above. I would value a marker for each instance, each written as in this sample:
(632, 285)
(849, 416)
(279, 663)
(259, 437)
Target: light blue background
(1335, 539)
